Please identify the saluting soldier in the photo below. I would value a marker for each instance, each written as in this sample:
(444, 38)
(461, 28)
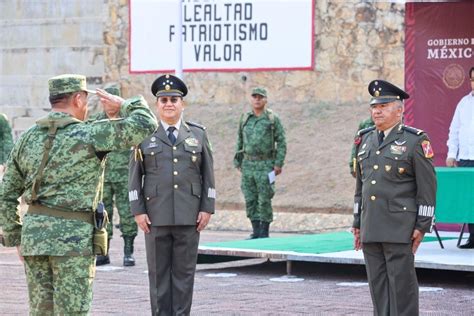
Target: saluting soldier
(116, 191)
(394, 200)
(56, 165)
(172, 196)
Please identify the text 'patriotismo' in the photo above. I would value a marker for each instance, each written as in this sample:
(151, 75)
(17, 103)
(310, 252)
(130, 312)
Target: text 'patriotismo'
(227, 22)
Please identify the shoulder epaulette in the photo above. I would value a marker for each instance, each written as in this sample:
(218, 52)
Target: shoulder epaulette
(196, 125)
(412, 130)
(365, 130)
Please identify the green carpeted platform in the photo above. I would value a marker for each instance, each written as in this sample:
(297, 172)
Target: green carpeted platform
(315, 244)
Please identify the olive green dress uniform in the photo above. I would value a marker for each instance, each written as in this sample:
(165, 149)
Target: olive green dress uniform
(395, 194)
(172, 183)
(57, 245)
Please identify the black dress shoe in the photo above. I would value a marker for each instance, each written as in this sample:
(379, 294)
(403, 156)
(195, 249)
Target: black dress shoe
(468, 245)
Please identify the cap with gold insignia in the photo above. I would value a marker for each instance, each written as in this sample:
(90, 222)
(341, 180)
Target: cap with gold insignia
(169, 85)
(67, 83)
(384, 92)
(113, 90)
(259, 91)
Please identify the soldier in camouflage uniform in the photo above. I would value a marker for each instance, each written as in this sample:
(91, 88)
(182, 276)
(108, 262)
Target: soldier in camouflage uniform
(116, 188)
(394, 201)
(56, 165)
(6, 140)
(364, 124)
(260, 149)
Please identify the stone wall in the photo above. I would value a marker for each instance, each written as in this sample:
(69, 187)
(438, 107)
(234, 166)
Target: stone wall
(355, 42)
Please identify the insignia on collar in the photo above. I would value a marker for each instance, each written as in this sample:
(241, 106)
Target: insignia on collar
(388, 168)
(363, 146)
(191, 141)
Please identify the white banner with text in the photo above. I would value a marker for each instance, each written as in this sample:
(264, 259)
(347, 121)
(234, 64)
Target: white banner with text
(222, 35)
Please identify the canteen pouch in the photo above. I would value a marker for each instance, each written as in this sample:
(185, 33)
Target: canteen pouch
(100, 241)
(100, 237)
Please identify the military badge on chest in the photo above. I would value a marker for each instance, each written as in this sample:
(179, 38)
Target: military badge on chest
(192, 142)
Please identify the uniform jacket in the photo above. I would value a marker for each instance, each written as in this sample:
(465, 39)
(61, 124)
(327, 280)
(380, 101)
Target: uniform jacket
(260, 136)
(172, 183)
(395, 185)
(69, 180)
(116, 169)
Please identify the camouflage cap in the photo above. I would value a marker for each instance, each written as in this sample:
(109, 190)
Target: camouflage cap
(260, 91)
(113, 90)
(67, 83)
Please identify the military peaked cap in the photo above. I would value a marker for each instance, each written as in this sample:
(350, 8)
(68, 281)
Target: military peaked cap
(67, 83)
(385, 92)
(169, 85)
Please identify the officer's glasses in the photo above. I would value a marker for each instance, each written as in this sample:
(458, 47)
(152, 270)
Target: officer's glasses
(164, 100)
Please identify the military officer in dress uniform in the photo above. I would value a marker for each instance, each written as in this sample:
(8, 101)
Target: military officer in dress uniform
(394, 200)
(172, 196)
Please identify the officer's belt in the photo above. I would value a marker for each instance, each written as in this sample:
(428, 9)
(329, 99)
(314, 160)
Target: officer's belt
(257, 157)
(37, 209)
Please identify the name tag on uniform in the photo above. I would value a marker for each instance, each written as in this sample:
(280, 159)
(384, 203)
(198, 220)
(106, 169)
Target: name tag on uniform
(397, 150)
(152, 145)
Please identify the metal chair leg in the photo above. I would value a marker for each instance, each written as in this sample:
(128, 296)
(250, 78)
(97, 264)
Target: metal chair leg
(437, 236)
(460, 234)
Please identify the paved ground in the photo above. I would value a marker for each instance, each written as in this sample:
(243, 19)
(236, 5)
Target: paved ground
(246, 287)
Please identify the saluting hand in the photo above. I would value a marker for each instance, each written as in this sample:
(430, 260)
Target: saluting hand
(416, 239)
(109, 100)
(202, 220)
(143, 222)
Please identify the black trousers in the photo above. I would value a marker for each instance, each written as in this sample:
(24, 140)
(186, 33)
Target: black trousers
(468, 163)
(171, 253)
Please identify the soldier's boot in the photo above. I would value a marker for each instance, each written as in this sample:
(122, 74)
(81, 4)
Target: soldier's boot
(256, 230)
(128, 259)
(264, 230)
(101, 260)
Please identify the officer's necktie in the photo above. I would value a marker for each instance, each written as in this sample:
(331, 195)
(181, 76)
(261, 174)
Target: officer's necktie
(171, 136)
(381, 137)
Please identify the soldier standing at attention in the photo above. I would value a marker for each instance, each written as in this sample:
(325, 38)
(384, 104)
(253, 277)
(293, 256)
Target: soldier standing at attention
(172, 195)
(56, 165)
(116, 189)
(6, 141)
(394, 201)
(260, 149)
